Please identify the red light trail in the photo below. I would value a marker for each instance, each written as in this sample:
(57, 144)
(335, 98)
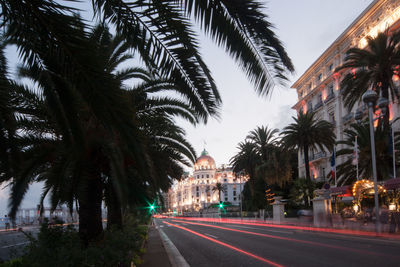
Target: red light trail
(293, 227)
(289, 239)
(226, 245)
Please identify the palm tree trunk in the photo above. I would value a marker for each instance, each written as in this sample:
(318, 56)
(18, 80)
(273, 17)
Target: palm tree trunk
(114, 211)
(90, 220)
(306, 162)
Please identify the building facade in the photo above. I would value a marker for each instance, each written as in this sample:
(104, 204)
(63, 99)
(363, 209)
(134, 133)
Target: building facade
(198, 191)
(318, 88)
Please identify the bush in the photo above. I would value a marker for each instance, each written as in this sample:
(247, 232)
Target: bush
(61, 246)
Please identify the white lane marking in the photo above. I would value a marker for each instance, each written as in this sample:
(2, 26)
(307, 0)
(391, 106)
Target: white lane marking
(274, 231)
(18, 244)
(161, 225)
(213, 236)
(175, 257)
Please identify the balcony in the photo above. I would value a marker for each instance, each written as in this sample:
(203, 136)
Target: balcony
(329, 98)
(318, 105)
(316, 156)
(348, 117)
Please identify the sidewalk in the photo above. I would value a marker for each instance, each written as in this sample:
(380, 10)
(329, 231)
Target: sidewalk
(155, 254)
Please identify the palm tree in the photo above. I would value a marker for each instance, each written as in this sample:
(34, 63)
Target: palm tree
(134, 144)
(372, 67)
(264, 140)
(162, 32)
(308, 132)
(220, 188)
(347, 171)
(247, 160)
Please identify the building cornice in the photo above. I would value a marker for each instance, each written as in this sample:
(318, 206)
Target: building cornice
(359, 21)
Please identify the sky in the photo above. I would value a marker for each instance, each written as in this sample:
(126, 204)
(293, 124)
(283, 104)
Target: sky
(306, 28)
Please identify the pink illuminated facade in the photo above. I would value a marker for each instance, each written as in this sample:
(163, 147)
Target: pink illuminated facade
(318, 88)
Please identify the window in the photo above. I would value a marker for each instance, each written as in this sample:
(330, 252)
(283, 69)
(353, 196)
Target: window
(197, 194)
(208, 176)
(198, 176)
(226, 199)
(197, 188)
(234, 193)
(234, 187)
(320, 77)
(225, 180)
(202, 176)
(332, 117)
(330, 68)
(330, 89)
(207, 182)
(212, 176)
(234, 199)
(197, 200)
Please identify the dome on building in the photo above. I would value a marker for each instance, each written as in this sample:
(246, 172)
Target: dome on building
(205, 161)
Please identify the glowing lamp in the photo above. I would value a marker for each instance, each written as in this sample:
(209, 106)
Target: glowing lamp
(392, 206)
(355, 208)
(395, 78)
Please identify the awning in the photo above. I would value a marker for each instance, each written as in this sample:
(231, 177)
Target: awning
(341, 191)
(392, 184)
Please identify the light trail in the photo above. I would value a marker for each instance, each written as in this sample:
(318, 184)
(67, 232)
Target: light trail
(226, 245)
(312, 243)
(293, 227)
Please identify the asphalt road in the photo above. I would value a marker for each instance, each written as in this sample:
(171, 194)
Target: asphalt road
(12, 243)
(228, 244)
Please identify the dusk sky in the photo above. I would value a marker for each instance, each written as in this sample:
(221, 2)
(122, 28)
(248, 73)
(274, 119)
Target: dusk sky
(307, 28)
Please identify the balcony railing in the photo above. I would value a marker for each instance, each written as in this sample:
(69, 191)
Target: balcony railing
(318, 105)
(315, 156)
(348, 117)
(329, 98)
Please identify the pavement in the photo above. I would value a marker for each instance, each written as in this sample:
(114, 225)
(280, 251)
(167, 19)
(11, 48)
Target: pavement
(189, 242)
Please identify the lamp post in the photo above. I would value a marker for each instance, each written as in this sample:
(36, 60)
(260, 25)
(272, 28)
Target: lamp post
(370, 97)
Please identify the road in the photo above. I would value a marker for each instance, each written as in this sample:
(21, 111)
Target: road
(204, 243)
(13, 242)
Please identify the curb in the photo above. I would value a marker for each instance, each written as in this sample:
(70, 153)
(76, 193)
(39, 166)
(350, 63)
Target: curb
(175, 257)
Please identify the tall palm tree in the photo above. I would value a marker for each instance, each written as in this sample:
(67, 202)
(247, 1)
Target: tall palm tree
(264, 140)
(117, 145)
(246, 159)
(308, 132)
(372, 67)
(219, 188)
(346, 171)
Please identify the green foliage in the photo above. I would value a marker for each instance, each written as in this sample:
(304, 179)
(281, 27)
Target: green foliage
(302, 191)
(371, 67)
(61, 246)
(308, 132)
(346, 172)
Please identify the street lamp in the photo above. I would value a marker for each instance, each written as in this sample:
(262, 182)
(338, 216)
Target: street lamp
(370, 97)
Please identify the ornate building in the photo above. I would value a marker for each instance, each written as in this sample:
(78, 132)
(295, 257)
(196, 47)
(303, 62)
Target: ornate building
(198, 191)
(318, 88)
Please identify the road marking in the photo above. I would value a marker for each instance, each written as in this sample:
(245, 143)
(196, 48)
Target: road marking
(273, 231)
(312, 243)
(227, 245)
(213, 236)
(161, 225)
(18, 244)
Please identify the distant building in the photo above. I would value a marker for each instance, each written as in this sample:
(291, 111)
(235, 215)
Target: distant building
(318, 88)
(197, 191)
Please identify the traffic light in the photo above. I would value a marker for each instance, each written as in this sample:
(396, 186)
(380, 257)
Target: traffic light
(152, 208)
(221, 205)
